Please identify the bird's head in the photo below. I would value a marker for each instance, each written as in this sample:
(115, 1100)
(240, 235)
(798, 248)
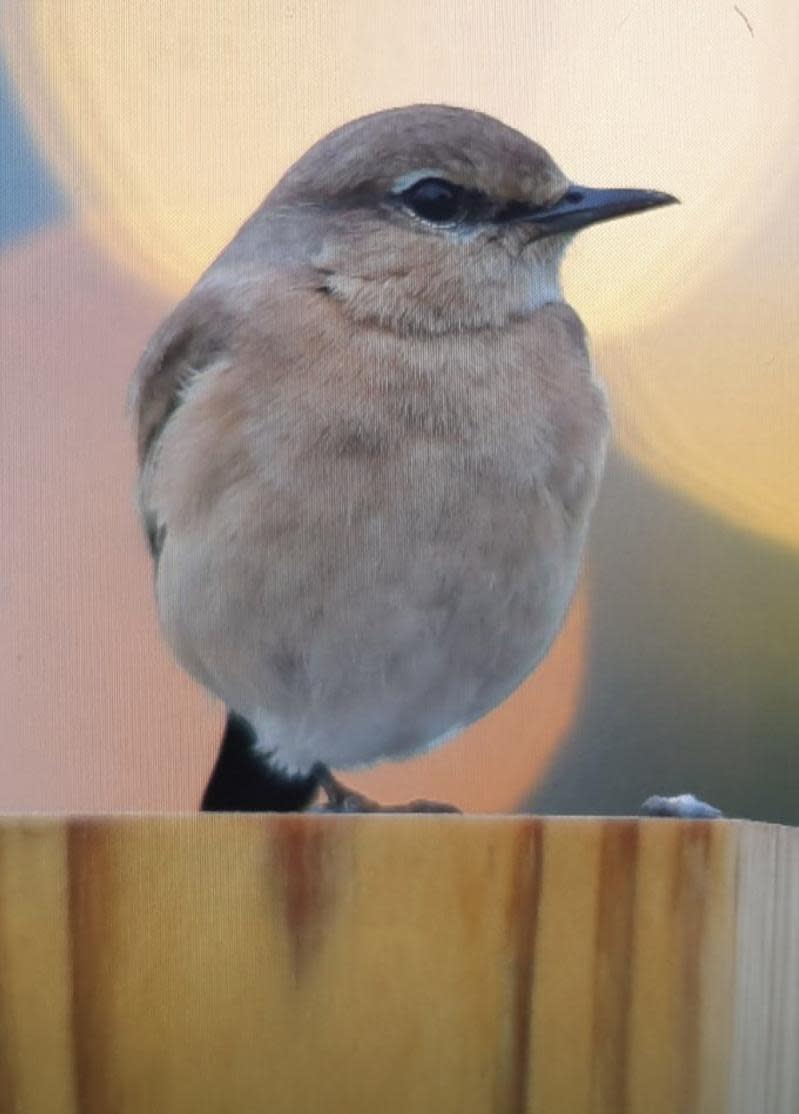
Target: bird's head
(435, 219)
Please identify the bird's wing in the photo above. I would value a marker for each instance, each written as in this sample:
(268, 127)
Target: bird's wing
(195, 337)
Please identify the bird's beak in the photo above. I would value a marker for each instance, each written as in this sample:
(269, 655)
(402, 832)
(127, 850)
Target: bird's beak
(581, 206)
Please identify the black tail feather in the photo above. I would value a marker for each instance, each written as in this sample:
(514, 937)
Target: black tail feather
(243, 780)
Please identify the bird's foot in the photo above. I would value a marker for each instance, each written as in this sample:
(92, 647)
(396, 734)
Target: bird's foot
(342, 799)
(684, 807)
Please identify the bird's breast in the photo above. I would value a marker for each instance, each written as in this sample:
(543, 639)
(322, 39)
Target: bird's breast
(409, 543)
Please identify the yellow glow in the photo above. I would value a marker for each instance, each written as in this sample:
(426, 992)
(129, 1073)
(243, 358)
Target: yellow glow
(168, 123)
(708, 395)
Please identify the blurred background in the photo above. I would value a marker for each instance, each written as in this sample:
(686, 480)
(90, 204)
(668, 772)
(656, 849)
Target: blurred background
(134, 139)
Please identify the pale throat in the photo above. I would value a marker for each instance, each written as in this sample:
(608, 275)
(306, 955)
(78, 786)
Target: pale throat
(541, 262)
(473, 286)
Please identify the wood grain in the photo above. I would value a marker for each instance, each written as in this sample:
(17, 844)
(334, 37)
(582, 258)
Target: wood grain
(451, 965)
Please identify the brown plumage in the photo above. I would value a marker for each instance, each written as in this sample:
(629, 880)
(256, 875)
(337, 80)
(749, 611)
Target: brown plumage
(370, 439)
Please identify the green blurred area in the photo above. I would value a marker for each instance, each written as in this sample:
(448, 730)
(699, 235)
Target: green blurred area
(693, 670)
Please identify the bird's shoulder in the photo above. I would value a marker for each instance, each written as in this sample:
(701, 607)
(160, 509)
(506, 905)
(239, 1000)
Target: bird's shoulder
(232, 318)
(195, 335)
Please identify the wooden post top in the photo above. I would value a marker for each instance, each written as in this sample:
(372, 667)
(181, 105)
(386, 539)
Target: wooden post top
(220, 964)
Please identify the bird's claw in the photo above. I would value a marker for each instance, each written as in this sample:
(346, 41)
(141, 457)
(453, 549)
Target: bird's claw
(355, 804)
(340, 799)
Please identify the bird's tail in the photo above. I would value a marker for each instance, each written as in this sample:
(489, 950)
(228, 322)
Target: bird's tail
(243, 780)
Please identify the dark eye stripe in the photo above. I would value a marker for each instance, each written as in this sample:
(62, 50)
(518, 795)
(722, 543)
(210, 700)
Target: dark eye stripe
(427, 199)
(511, 211)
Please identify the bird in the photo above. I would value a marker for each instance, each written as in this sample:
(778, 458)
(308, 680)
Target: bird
(370, 440)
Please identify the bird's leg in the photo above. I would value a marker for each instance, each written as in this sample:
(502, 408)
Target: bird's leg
(342, 799)
(684, 807)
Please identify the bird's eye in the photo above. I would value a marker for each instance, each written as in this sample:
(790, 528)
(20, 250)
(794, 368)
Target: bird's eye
(435, 200)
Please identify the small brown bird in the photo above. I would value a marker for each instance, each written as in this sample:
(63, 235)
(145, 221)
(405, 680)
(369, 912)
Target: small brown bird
(370, 440)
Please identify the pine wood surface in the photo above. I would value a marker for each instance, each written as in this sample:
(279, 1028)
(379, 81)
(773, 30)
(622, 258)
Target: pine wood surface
(434, 965)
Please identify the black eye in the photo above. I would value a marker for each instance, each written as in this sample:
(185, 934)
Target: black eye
(435, 199)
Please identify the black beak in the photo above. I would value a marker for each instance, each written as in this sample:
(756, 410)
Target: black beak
(581, 206)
